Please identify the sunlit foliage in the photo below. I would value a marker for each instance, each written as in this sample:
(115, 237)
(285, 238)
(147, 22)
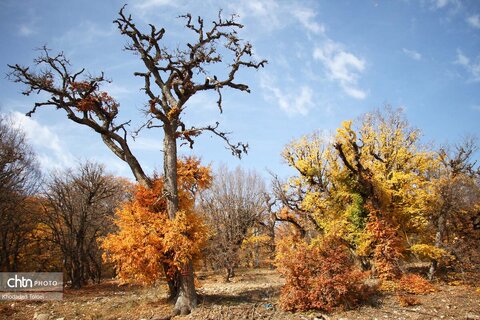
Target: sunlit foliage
(148, 245)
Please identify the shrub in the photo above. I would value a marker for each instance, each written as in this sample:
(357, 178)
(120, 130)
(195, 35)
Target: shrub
(320, 276)
(414, 284)
(407, 300)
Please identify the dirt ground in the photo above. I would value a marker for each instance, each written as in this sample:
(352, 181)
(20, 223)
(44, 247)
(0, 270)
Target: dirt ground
(253, 294)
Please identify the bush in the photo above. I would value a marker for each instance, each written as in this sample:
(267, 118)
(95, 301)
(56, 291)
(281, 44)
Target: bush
(415, 284)
(321, 276)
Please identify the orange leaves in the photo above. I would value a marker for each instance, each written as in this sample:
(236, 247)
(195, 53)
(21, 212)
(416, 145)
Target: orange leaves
(147, 241)
(415, 284)
(174, 113)
(135, 249)
(185, 236)
(387, 247)
(91, 99)
(192, 176)
(87, 104)
(320, 277)
(80, 86)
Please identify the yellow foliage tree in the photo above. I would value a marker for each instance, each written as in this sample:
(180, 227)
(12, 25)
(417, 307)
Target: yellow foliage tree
(372, 187)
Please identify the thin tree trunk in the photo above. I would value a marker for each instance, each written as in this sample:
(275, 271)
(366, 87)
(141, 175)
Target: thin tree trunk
(438, 244)
(187, 296)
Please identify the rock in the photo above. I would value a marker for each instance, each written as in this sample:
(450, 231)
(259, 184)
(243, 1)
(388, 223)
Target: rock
(472, 316)
(62, 318)
(41, 316)
(268, 306)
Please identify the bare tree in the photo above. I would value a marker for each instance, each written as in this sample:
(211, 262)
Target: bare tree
(19, 176)
(171, 78)
(455, 217)
(80, 205)
(232, 206)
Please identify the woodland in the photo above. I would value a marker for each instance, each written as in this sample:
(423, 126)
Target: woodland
(370, 214)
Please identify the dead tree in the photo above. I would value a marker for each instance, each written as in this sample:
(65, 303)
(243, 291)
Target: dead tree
(172, 77)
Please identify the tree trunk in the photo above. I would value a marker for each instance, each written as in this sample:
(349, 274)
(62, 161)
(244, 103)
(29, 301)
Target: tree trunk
(170, 171)
(187, 296)
(438, 243)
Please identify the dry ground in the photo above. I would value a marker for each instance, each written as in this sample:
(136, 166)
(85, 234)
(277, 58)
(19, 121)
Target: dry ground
(253, 294)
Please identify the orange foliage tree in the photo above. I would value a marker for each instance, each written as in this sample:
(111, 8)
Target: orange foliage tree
(149, 246)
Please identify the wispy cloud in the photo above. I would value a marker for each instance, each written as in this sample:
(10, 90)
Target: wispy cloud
(342, 66)
(307, 18)
(412, 54)
(118, 91)
(474, 21)
(267, 12)
(473, 68)
(144, 8)
(25, 30)
(150, 4)
(87, 32)
(295, 101)
(275, 15)
(441, 4)
(51, 152)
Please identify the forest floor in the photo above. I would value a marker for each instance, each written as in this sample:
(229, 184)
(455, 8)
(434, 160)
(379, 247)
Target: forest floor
(252, 294)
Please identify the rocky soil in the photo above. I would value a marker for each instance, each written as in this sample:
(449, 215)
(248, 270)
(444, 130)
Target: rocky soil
(253, 294)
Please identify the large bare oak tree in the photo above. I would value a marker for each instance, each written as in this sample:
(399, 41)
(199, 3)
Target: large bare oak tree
(171, 77)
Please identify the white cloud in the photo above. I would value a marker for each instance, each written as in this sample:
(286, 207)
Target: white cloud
(267, 13)
(25, 30)
(473, 68)
(342, 66)
(295, 101)
(412, 54)
(355, 93)
(307, 18)
(474, 21)
(462, 59)
(50, 151)
(118, 91)
(150, 4)
(276, 15)
(441, 4)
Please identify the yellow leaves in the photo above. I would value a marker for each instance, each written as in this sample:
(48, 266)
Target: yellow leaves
(345, 130)
(429, 251)
(255, 239)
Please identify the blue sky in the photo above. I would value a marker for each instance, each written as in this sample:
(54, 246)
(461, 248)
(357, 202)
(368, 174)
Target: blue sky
(329, 61)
